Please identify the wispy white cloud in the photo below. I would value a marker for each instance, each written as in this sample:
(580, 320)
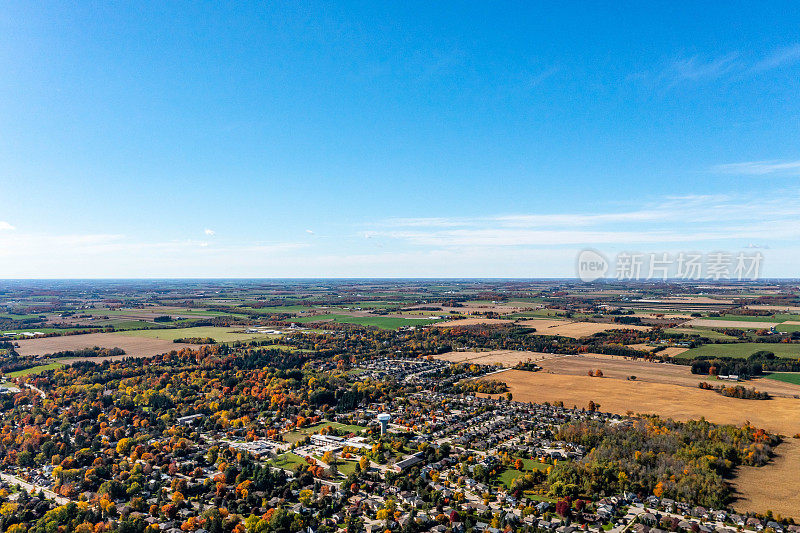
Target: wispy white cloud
(310, 232)
(696, 68)
(5, 226)
(699, 68)
(691, 218)
(779, 58)
(209, 232)
(759, 168)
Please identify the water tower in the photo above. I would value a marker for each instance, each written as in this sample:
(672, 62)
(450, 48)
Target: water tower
(384, 418)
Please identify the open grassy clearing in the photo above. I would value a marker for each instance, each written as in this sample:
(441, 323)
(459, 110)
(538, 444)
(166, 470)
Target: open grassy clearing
(786, 377)
(379, 321)
(742, 350)
(287, 461)
(300, 434)
(33, 370)
(508, 475)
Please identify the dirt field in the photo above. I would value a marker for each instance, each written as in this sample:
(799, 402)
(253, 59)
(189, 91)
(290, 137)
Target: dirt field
(133, 346)
(472, 322)
(781, 415)
(575, 330)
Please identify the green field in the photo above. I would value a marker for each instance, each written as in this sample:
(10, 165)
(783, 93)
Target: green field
(777, 317)
(379, 321)
(510, 474)
(788, 328)
(703, 332)
(33, 370)
(288, 461)
(742, 350)
(786, 377)
(219, 334)
(52, 330)
(299, 434)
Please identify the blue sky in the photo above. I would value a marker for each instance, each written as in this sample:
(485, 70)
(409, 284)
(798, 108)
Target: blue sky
(393, 139)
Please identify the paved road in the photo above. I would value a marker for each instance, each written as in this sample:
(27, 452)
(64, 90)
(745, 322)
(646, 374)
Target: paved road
(14, 480)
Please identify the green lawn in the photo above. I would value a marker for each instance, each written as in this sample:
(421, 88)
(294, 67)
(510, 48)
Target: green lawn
(346, 467)
(742, 350)
(786, 377)
(510, 474)
(33, 370)
(219, 334)
(379, 321)
(299, 434)
(288, 461)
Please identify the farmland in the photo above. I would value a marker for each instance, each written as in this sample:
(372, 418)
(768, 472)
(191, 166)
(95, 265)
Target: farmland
(506, 358)
(575, 329)
(742, 350)
(781, 415)
(383, 322)
(786, 377)
(219, 334)
(34, 370)
(133, 346)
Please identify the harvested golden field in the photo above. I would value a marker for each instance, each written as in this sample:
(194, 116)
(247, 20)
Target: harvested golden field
(507, 358)
(575, 330)
(779, 415)
(620, 368)
(133, 346)
(779, 308)
(772, 487)
(472, 322)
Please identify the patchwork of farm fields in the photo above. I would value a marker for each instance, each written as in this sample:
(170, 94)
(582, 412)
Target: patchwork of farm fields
(133, 346)
(779, 415)
(383, 322)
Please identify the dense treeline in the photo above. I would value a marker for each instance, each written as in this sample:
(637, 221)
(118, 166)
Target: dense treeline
(735, 391)
(686, 461)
